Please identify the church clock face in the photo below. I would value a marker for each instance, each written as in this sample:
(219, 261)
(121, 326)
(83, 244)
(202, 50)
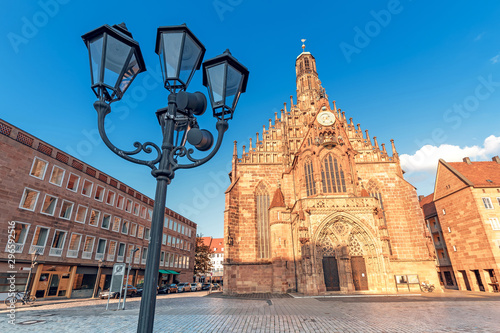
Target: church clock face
(326, 118)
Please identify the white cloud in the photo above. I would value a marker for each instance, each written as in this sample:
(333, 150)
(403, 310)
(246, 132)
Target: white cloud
(478, 37)
(427, 157)
(495, 59)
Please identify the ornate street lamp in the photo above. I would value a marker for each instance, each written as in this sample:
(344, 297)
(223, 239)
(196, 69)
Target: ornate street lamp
(115, 60)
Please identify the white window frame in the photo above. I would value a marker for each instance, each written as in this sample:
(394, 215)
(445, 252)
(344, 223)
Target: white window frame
(77, 212)
(143, 212)
(18, 245)
(44, 168)
(112, 200)
(113, 224)
(165, 222)
(169, 241)
(118, 259)
(134, 211)
(147, 231)
(162, 258)
(119, 203)
(140, 234)
(68, 255)
(23, 199)
(40, 246)
(91, 188)
(487, 203)
(52, 251)
(144, 255)
(125, 222)
(101, 197)
(77, 182)
(164, 239)
(111, 257)
(495, 224)
(128, 205)
(89, 255)
(98, 255)
(149, 214)
(110, 221)
(98, 219)
(61, 210)
(43, 203)
(133, 229)
(52, 175)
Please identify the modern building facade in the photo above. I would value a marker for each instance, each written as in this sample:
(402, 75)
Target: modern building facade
(467, 201)
(443, 263)
(79, 221)
(316, 205)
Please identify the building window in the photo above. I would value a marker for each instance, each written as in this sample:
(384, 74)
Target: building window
(140, 232)
(121, 252)
(106, 221)
(495, 225)
(88, 247)
(146, 234)
(170, 224)
(128, 206)
(487, 203)
(143, 212)
(81, 214)
(38, 168)
(133, 229)
(87, 188)
(57, 243)
(309, 174)
(110, 199)
(111, 250)
(73, 181)
(332, 176)
(164, 239)
(116, 224)
(99, 193)
(29, 199)
(119, 202)
(169, 240)
(56, 178)
(74, 245)
(162, 258)
(175, 226)
(39, 240)
(125, 225)
(49, 205)
(101, 249)
(262, 215)
(306, 63)
(144, 255)
(20, 234)
(66, 210)
(94, 217)
(136, 209)
(149, 214)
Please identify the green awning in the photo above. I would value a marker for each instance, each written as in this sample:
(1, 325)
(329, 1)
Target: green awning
(162, 271)
(174, 272)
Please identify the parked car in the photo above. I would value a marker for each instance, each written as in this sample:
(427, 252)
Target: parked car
(168, 288)
(195, 286)
(131, 292)
(216, 286)
(183, 287)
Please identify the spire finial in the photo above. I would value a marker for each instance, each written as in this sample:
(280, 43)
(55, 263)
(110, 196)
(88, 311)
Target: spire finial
(303, 45)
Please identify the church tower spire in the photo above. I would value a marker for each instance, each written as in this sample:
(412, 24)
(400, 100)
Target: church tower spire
(309, 89)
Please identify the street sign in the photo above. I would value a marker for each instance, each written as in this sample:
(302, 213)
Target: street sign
(117, 281)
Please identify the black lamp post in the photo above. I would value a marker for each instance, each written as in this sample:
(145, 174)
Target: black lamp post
(115, 60)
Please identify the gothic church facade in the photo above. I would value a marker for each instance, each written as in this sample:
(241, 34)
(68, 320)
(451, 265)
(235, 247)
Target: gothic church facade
(315, 206)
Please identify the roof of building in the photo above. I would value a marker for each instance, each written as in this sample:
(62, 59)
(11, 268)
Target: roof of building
(428, 206)
(215, 244)
(480, 174)
(278, 199)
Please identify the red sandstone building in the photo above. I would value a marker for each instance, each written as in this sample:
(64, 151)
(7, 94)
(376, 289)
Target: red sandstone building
(316, 205)
(77, 218)
(467, 203)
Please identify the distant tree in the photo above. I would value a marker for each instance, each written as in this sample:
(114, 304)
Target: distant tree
(202, 263)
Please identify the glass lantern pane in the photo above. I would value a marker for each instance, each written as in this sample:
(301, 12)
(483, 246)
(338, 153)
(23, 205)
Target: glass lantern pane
(216, 83)
(130, 73)
(233, 83)
(172, 48)
(116, 56)
(190, 55)
(95, 57)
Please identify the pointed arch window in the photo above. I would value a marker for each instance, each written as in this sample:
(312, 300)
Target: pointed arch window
(309, 174)
(262, 216)
(332, 175)
(306, 63)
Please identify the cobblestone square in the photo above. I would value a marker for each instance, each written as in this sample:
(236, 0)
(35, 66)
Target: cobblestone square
(197, 312)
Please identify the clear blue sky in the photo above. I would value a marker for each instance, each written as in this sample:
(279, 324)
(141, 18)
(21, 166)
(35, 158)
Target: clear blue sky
(418, 72)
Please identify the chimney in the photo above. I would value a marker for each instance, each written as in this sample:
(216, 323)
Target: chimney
(496, 159)
(467, 160)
